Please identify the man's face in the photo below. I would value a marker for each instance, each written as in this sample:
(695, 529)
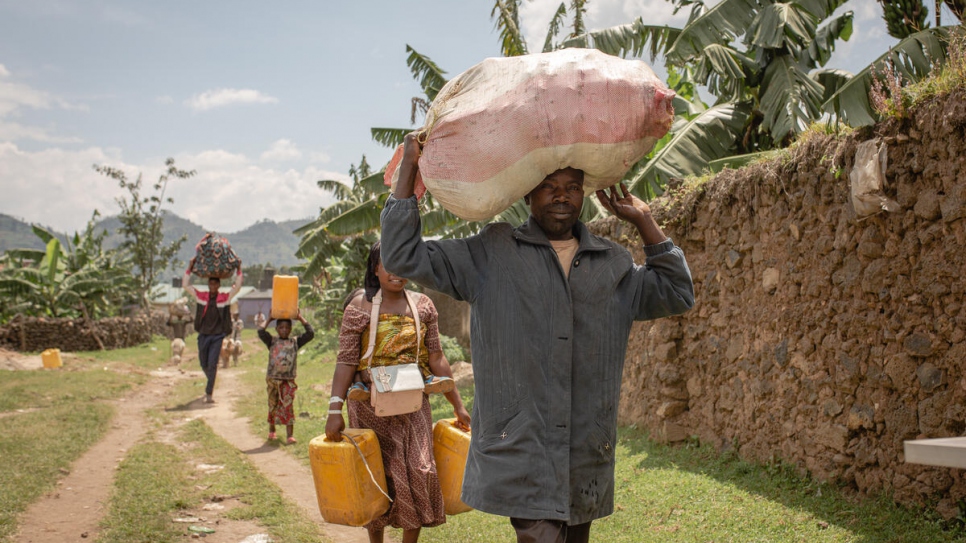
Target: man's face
(213, 285)
(283, 329)
(556, 202)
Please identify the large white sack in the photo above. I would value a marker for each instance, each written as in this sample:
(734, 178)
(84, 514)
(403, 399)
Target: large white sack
(496, 130)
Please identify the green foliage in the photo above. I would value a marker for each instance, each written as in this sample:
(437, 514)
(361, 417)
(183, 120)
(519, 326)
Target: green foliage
(337, 243)
(73, 278)
(141, 225)
(452, 350)
(903, 17)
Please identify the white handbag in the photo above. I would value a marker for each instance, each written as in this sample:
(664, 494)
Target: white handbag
(398, 389)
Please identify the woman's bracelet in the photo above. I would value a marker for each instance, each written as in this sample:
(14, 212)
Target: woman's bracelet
(336, 399)
(335, 411)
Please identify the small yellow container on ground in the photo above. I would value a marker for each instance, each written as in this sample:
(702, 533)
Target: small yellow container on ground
(285, 297)
(450, 446)
(51, 358)
(346, 492)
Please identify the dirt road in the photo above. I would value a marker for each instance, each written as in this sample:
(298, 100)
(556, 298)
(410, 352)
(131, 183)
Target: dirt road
(72, 512)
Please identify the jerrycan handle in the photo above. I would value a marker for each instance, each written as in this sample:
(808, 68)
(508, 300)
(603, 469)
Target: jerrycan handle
(365, 463)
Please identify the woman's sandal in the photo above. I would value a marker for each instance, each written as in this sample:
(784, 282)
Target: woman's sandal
(437, 384)
(358, 392)
(271, 436)
(291, 441)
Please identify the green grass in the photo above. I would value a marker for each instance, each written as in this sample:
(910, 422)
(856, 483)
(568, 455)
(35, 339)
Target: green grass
(682, 493)
(51, 417)
(158, 482)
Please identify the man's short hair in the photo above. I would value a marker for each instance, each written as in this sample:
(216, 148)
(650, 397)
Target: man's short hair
(280, 321)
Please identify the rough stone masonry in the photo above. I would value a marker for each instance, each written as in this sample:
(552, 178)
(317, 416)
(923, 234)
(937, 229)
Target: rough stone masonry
(819, 338)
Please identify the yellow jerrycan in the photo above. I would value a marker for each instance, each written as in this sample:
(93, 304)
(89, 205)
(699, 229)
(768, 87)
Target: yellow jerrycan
(349, 492)
(51, 358)
(450, 446)
(285, 297)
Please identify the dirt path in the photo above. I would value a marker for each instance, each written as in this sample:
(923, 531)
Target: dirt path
(272, 461)
(71, 513)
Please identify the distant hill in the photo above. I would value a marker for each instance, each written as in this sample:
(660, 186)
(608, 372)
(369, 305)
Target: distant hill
(17, 234)
(265, 242)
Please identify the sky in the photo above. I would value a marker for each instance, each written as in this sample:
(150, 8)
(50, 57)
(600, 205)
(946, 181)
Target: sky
(260, 99)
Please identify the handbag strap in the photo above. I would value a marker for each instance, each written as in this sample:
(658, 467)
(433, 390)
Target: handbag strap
(374, 323)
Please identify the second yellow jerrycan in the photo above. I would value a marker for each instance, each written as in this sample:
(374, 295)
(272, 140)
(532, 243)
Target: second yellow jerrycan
(51, 358)
(346, 491)
(285, 297)
(450, 446)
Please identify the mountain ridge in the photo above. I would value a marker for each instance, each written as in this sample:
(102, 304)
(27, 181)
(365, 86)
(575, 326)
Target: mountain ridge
(263, 242)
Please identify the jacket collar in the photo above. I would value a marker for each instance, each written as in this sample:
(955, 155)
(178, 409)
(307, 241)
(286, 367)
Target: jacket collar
(530, 232)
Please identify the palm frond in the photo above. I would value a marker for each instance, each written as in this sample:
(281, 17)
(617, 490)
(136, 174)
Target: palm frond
(790, 99)
(625, 40)
(373, 184)
(819, 51)
(362, 218)
(430, 76)
(556, 23)
(710, 135)
(831, 81)
(721, 24)
(390, 137)
(821, 9)
(508, 23)
(724, 71)
(339, 189)
(42, 233)
(779, 25)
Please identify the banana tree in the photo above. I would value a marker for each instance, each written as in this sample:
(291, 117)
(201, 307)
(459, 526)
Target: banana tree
(65, 280)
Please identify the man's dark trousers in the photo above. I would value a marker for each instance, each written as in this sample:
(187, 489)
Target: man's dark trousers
(209, 350)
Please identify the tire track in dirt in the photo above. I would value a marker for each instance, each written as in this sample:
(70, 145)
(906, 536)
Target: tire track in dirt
(280, 467)
(72, 511)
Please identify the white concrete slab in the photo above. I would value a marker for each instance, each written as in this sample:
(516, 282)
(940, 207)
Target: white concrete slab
(945, 451)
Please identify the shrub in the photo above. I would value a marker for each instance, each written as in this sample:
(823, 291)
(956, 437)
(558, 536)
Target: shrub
(452, 350)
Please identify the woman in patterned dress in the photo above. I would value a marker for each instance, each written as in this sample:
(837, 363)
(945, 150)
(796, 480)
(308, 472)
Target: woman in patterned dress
(406, 441)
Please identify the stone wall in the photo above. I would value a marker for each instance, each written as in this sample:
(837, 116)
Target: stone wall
(70, 335)
(818, 338)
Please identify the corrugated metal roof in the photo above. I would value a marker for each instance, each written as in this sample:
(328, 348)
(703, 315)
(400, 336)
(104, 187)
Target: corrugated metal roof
(164, 293)
(255, 294)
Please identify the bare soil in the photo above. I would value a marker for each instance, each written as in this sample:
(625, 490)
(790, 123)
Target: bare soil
(71, 513)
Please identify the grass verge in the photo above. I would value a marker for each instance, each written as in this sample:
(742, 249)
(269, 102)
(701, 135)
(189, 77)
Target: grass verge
(50, 417)
(158, 482)
(682, 493)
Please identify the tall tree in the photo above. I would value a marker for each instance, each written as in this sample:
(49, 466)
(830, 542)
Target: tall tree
(141, 225)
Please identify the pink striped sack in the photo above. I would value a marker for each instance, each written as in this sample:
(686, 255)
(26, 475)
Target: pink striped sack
(496, 130)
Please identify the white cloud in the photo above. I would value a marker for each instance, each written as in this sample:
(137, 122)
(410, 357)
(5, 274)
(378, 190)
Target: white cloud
(227, 97)
(320, 157)
(10, 131)
(281, 150)
(15, 97)
(55, 187)
(228, 193)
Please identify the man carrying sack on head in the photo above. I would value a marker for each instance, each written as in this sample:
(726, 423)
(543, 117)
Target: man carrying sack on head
(212, 321)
